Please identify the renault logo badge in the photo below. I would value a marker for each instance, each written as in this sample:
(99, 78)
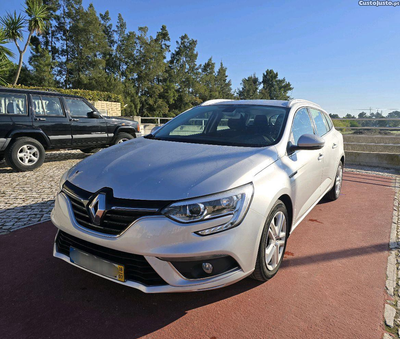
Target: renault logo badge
(97, 208)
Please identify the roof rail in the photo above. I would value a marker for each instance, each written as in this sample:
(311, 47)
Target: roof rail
(301, 101)
(214, 101)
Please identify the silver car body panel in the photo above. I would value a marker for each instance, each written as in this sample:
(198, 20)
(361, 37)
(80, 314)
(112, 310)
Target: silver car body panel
(148, 169)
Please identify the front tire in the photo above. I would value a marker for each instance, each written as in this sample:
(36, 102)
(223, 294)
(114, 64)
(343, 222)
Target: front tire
(25, 154)
(334, 193)
(122, 137)
(273, 243)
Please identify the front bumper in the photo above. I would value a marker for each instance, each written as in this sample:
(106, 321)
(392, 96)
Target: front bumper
(156, 237)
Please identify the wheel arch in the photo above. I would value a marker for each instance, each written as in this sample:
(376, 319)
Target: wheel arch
(289, 207)
(127, 129)
(39, 136)
(342, 160)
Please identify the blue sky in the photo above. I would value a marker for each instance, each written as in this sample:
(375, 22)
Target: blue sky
(341, 55)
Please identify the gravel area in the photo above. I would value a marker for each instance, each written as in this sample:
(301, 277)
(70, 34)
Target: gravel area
(27, 198)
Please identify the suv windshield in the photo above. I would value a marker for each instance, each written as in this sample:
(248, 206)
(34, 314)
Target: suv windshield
(235, 125)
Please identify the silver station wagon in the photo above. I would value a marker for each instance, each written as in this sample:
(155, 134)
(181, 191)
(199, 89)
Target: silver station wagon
(206, 200)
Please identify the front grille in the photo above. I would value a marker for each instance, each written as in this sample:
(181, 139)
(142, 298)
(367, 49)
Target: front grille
(136, 266)
(120, 213)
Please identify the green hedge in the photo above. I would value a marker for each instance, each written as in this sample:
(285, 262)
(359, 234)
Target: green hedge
(89, 95)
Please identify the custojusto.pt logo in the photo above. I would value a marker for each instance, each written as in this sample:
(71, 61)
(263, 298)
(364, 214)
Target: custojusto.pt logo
(379, 3)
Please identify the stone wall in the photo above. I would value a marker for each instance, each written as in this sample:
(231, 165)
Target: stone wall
(372, 150)
(112, 109)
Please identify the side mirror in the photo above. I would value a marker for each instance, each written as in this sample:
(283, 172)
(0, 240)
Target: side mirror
(307, 142)
(93, 115)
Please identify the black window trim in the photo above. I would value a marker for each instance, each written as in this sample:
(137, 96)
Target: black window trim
(16, 114)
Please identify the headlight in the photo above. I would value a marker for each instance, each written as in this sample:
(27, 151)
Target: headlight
(234, 203)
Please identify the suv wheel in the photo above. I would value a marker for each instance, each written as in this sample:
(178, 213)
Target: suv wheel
(25, 154)
(273, 243)
(122, 137)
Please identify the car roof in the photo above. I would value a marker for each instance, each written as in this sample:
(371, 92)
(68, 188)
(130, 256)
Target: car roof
(38, 92)
(277, 103)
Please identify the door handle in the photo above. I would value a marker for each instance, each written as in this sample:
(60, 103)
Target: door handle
(320, 156)
(72, 119)
(40, 119)
(334, 145)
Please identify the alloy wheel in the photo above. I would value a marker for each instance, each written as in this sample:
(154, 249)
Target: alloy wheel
(338, 180)
(28, 155)
(275, 241)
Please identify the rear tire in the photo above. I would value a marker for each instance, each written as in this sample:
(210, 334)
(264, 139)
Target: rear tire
(25, 154)
(273, 243)
(122, 137)
(334, 193)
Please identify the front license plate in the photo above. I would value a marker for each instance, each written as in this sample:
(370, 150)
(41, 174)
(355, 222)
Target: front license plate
(96, 264)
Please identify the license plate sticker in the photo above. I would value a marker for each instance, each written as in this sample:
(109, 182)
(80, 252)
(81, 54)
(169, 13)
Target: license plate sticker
(97, 265)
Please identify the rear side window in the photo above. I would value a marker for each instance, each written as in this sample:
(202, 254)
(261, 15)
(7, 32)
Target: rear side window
(301, 125)
(45, 105)
(320, 122)
(11, 103)
(328, 120)
(78, 107)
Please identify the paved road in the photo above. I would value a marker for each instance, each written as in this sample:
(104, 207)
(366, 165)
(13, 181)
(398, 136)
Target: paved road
(331, 285)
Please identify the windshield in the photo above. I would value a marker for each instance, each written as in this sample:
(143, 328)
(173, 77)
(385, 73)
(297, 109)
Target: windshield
(235, 125)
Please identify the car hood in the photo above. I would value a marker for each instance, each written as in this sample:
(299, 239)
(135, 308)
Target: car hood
(147, 169)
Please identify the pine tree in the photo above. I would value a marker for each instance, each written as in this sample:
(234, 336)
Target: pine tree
(42, 65)
(150, 71)
(274, 88)
(249, 89)
(184, 73)
(111, 64)
(208, 88)
(223, 85)
(88, 44)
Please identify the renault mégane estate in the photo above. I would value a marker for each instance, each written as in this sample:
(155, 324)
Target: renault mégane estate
(206, 200)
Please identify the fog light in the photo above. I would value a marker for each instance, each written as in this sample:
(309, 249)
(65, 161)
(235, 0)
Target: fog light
(207, 267)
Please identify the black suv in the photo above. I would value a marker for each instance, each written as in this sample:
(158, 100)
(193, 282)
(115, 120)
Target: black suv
(34, 121)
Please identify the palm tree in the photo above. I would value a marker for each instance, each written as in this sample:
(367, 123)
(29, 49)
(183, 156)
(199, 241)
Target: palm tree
(15, 23)
(4, 67)
(4, 51)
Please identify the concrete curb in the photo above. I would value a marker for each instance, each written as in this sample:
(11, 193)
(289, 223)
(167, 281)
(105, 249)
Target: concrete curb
(392, 307)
